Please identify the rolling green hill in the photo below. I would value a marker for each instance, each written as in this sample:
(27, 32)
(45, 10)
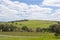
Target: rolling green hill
(33, 23)
(29, 35)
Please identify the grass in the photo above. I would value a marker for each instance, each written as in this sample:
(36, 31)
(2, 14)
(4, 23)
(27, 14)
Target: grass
(9, 38)
(34, 23)
(14, 38)
(31, 24)
(40, 36)
(24, 33)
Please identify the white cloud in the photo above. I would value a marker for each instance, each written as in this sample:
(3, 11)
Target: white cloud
(39, 12)
(51, 3)
(7, 13)
(15, 10)
(56, 15)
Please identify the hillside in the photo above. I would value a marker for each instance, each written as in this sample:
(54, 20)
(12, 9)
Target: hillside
(33, 23)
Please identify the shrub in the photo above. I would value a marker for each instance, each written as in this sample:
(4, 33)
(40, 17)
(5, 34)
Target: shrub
(52, 28)
(38, 29)
(25, 28)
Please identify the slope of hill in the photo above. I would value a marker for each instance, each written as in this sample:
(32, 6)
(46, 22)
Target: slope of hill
(33, 23)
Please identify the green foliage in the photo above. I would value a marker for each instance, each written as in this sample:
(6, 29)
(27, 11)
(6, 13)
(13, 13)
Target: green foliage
(28, 26)
(52, 27)
(7, 27)
(31, 24)
(25, 28)
(56, 29)
(38, 29)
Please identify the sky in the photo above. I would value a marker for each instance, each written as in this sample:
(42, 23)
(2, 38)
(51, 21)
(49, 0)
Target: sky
(11, 10)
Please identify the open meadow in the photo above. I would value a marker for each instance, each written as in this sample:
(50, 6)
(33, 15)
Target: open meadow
(27, 36)
(32, 23)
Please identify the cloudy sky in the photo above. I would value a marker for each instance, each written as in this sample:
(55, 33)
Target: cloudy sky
(29, 9)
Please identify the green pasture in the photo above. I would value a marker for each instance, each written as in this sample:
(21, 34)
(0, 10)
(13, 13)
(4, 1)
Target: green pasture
(36, 23)
(33, 23)
(33, 35)
(37, 36)
(41, 38)
(26, 33)
(9, 38)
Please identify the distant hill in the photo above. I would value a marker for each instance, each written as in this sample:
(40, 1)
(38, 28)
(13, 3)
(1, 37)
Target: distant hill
(32, 23)
(18, 20)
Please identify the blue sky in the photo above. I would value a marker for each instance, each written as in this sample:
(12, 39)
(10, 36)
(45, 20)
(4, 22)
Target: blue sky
(29, 9)
(33, 2)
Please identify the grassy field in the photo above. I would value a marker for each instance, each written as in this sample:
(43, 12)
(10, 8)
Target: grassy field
(9, 38)
(26, 33)
(30, 35)
(36, 36)
(34, 23)
(41, 38)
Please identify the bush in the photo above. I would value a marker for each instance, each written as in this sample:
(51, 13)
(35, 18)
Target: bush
(52, 28)
(7, 27)
(56, 29)
(25, 28)
(38, 29)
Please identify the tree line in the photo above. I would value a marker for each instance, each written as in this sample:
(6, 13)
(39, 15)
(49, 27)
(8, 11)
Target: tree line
(12, 28)
(55, 28)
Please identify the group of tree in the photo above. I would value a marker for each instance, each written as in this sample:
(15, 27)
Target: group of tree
(11, 27)
(7, 27)
(55, 28)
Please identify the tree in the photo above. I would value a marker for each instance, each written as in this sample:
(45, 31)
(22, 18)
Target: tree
(57, 30)
(52, 28)
(38, 29)
(5, 28)
(58, 22)
(1, 27)
(25, 28)
(12, 27)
